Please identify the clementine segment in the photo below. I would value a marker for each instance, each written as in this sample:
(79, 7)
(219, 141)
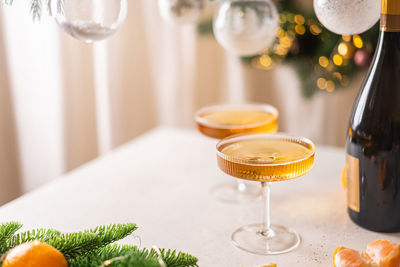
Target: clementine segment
(384, 253)
(346, 257)
(379, 253)
(34, 254)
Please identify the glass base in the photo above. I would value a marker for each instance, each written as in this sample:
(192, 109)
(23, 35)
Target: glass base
(279, 240)
(236, 192)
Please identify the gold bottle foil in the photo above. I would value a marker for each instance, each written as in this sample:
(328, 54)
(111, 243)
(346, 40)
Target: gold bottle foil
(390, 16)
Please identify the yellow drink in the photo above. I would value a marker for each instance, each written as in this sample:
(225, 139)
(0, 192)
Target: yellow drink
(265, 158)
(222, 121)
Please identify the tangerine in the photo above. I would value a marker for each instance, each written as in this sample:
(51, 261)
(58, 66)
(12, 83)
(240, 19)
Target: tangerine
(34, 254)
(384, 253)
(346, 257)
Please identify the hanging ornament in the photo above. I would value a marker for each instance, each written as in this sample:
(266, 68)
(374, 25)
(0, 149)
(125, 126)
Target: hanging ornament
(347, 16)
(181, 11)
(89, 20)
(246, 27)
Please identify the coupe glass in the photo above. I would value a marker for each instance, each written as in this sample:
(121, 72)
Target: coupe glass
(220, 121)
(265, 158)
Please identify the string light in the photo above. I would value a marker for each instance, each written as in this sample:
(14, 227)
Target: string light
(321, 83)
(266, 61)
(280, 50)
(323, 61)
(343, 49)
(357, 41)
(281, 33)
(300, 29)
(336, 75)
(338, 60)
(286, 42)
(330, 86)
(346, 38)
(330, 70)
(315, 29)
(299, 19)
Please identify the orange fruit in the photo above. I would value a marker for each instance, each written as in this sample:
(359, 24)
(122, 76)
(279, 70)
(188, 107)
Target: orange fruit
(346, 257)
(384, 253)
(34, 254)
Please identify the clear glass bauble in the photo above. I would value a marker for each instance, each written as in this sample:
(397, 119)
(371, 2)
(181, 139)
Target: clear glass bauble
(181, 11)
(89, 20)
(246, 27)
(347, 16)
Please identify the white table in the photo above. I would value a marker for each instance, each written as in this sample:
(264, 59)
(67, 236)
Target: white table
(161, 181)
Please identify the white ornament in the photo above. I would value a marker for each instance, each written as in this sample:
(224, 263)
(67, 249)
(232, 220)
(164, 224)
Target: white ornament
(90, 20)
(181, 11)
(246, 27)
(347, 16)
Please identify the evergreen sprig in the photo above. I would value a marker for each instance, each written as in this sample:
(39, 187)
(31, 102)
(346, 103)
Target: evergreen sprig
(44, 235)
(153, 257)
(177, 259)
(116, 255)
(101, 255)
(76, 244)
(111, 233)
(36, 7)
(7, 230)
(94, 248)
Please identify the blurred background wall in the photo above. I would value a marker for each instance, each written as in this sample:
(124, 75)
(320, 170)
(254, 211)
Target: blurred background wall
(63, 102)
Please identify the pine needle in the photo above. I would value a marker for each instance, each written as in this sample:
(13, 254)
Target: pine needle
(98, 257)
(178, 259)
(76, 244)
(40, 234)
(93, 248)
(114, 232)
(36, 9)
(7, 230)
(123, 256)
(171, 258)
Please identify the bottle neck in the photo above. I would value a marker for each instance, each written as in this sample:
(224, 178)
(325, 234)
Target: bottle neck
(390, 16)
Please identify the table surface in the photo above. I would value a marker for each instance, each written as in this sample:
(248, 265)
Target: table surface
(161, 181)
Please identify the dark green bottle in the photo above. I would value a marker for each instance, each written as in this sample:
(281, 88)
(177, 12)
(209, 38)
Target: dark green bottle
(373, 141)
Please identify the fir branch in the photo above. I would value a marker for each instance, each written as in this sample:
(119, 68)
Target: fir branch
(101, 255)
(88, 241)
(134, 259)
(8, 2)
(76, 244)
(114, 232)
(60, 6)
(171, 258)
(43, 235)
(6, 231)
(122, 256)
(178, 259)
(92, 248)
(36, 9)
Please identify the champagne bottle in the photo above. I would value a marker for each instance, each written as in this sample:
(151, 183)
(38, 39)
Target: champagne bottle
(373, 141)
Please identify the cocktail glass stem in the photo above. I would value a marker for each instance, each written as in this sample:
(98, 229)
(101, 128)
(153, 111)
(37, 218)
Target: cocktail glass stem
(266, 219)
